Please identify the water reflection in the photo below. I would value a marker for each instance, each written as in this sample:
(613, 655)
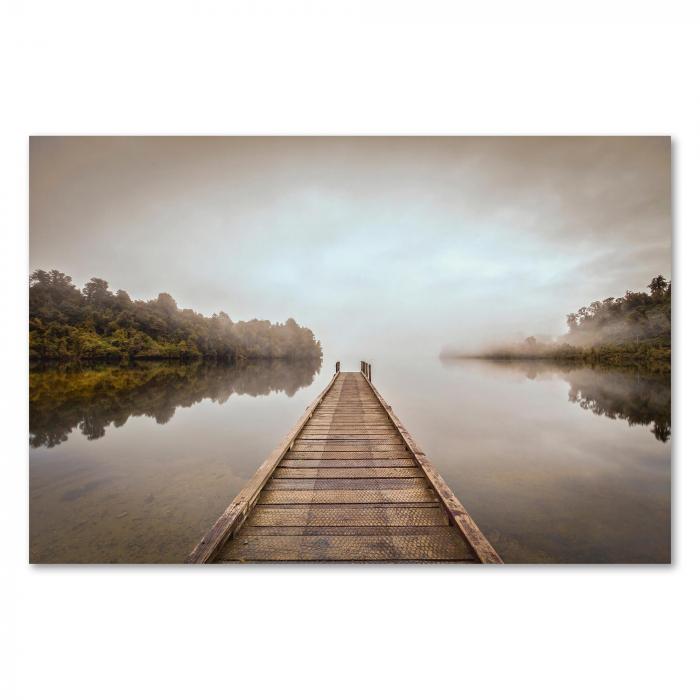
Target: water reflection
(545, 480)
(529, 449)
(619, 393)
(92, 399)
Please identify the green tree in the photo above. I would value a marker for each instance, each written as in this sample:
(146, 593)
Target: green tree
(65, 323)
(658, 285)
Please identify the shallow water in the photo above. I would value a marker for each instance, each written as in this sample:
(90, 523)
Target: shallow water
(555, 463)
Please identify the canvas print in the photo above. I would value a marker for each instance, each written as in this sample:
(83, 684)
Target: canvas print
(430, 349)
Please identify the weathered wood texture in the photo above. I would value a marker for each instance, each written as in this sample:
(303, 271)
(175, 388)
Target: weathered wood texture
(232, 518)
(348, 483)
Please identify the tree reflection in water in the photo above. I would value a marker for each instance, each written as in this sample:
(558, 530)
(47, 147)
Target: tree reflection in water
(638, 399)
(91, 399)
(631, 394)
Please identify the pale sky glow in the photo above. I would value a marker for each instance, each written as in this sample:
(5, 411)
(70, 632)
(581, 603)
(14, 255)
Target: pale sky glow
(373, 243)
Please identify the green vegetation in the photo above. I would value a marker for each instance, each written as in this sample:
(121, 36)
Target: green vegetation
(637, 318)
(641, 354)
(634, 330)
(96, 324)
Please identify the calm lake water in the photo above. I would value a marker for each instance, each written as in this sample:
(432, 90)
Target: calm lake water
(555, 463)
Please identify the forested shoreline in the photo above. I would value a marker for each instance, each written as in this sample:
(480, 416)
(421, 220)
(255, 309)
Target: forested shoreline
(96, 324)
(631, 330)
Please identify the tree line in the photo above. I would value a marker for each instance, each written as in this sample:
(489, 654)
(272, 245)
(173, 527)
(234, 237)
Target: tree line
(633, 330)
(95, 323)
(636, 317)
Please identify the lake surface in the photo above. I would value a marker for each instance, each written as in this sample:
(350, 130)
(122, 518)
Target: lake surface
(555, 463)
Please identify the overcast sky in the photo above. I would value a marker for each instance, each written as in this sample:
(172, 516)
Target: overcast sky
(374, 243)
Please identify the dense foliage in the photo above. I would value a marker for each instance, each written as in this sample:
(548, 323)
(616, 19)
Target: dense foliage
(637, 317)
(633, 330)
(653, 358)
(94, 323)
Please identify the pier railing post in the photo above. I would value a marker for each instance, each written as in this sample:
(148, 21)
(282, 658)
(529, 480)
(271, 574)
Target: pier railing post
(366, 369)
(337, 367)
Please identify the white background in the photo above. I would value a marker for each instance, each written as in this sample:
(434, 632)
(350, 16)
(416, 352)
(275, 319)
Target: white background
(356, 67)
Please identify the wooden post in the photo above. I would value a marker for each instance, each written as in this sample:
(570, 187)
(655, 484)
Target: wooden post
(337, 367)
(369, 373)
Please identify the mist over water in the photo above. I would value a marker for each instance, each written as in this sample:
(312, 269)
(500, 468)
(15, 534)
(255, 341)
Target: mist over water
(556, 463)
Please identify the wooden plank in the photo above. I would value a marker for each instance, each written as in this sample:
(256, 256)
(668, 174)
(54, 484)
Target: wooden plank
(387, 427)
(354, 454)
(444, 545)
(343, 463)
(234, 515)
(352, 406)
(376, 446)
(324, 426)
(334, 437)
(349, 473)
(350, 436)
(350, 410)
(349, 424)
(379, 413)
(347, 436)
(353, 441)
(338, 530)
(348, 515)
(276, 484)
(332, 415)
(369, 413)
(458, 514)
(354, 411)
(355, 416)
(370, 433)
(352, 420)
(349, 496)
(347, 407)
(336, 418)
(345, 402)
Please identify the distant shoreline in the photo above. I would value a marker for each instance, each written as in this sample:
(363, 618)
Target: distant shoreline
(630, 331)
(653, 357)
(78, 363)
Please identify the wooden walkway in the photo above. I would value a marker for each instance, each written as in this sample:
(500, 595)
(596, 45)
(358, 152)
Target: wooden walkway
(347, 484)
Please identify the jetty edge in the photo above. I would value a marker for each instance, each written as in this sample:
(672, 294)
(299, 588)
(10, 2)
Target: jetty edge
(348, 483)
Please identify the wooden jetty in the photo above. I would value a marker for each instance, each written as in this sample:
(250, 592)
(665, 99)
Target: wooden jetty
(347, 484)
